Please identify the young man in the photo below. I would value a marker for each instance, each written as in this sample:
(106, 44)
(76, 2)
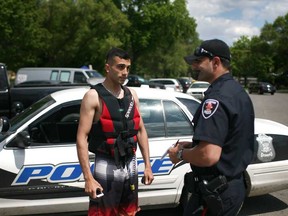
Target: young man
(110, 122)
(223, 139)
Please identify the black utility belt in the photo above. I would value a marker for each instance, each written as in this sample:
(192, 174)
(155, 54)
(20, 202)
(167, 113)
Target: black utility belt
(217, 184)
(211, 183)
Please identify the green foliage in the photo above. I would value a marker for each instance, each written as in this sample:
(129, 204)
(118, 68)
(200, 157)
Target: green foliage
(157, 33)
(81, 32)
(21, 33)
(264, 57)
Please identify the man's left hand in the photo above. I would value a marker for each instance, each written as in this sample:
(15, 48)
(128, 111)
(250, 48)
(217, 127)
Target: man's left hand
(148, 176)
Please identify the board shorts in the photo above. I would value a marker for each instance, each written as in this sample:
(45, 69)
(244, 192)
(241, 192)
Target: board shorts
(118, 197)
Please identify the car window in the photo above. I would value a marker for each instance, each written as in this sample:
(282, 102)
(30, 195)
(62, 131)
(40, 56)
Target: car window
(79, 77)
(57, 128)
(191, 105)
(154, 114)
(153, 117)
(177, 122)
(200, 85)
(93, 74)
(54, 75)
(64, 76)
(165, 82)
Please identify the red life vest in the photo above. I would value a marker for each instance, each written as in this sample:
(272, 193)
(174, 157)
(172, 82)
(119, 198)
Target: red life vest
(116, 131)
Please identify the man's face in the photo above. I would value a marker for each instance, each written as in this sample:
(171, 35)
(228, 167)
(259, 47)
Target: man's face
(203, 69)
(118, 69)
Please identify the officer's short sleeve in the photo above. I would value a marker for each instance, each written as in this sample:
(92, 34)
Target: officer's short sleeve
(212, 125)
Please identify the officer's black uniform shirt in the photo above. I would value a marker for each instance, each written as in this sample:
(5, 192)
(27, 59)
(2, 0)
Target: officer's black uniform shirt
(226, 118)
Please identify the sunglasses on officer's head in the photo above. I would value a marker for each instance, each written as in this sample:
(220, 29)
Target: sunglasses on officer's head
(199, 51)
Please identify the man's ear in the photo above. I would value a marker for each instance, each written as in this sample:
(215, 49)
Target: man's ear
(216, 61)
(107, 67)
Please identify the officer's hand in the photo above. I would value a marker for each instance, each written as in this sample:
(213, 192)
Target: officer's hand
(185, 144)
(172, 152)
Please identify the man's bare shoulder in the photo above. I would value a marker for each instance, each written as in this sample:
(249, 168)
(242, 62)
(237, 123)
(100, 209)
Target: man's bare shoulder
(133, 92)
(91, 93)
(91, 97)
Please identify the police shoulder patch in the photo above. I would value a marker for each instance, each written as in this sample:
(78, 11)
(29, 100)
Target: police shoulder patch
(209, 107)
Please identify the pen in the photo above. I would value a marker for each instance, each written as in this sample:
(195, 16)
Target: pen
(166, 152)
(176, 143)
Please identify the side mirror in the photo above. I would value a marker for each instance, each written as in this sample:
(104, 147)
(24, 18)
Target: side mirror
(4, 124)
(22, 140)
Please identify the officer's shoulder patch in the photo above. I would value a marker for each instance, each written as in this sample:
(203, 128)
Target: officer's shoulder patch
(209, 107)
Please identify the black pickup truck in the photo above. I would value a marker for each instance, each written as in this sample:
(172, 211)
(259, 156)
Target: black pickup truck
(15, 99)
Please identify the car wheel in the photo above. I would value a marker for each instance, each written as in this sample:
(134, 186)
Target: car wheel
(260, 91)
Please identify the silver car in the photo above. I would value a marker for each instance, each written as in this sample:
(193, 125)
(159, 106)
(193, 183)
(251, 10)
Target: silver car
(197, 89)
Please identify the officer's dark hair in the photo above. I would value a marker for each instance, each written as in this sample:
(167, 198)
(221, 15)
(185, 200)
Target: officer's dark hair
(226, 63)
(116, 52)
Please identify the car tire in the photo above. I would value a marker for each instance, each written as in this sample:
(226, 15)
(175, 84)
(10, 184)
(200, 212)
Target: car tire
(260, 92)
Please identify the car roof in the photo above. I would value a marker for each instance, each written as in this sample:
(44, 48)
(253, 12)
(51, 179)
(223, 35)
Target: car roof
(174, 79)
(200, 82)
(78, 94)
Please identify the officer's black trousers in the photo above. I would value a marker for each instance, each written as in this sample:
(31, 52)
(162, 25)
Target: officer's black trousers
(232, 199)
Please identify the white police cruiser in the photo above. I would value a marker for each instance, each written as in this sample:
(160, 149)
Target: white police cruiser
(39, 166)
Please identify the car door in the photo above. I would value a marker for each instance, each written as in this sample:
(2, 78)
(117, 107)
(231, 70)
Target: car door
(165, 122)
(41, 158)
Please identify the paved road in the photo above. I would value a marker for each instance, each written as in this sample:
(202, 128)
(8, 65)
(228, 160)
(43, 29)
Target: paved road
(272, 107)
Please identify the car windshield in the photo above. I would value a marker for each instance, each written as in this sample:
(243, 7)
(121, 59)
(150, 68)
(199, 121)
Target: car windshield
(141, 80)
(93, 74)
(26, 115)
(200, 85)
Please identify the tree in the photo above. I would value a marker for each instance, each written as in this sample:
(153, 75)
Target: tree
(160, 33)
(276, 35)
(241, 58)
(21, 33)
(81, 32)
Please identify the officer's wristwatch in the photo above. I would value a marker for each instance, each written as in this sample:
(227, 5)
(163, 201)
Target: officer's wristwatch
(180, 154)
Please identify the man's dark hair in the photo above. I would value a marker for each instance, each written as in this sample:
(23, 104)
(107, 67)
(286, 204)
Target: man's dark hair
(116, 52)
(225, 63)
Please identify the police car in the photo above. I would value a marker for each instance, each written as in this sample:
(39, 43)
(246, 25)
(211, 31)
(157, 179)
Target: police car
(39, 166)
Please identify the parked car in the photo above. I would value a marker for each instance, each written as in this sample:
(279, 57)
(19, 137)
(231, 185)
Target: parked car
(72, 75)
(261, 88)
(170, 83)
(197, 89)
(138, 81)
(40, 172)
(185, 82)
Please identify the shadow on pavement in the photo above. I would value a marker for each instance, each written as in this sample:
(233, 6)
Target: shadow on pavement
(262, 204)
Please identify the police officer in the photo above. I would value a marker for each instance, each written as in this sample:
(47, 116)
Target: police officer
(223, 140)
